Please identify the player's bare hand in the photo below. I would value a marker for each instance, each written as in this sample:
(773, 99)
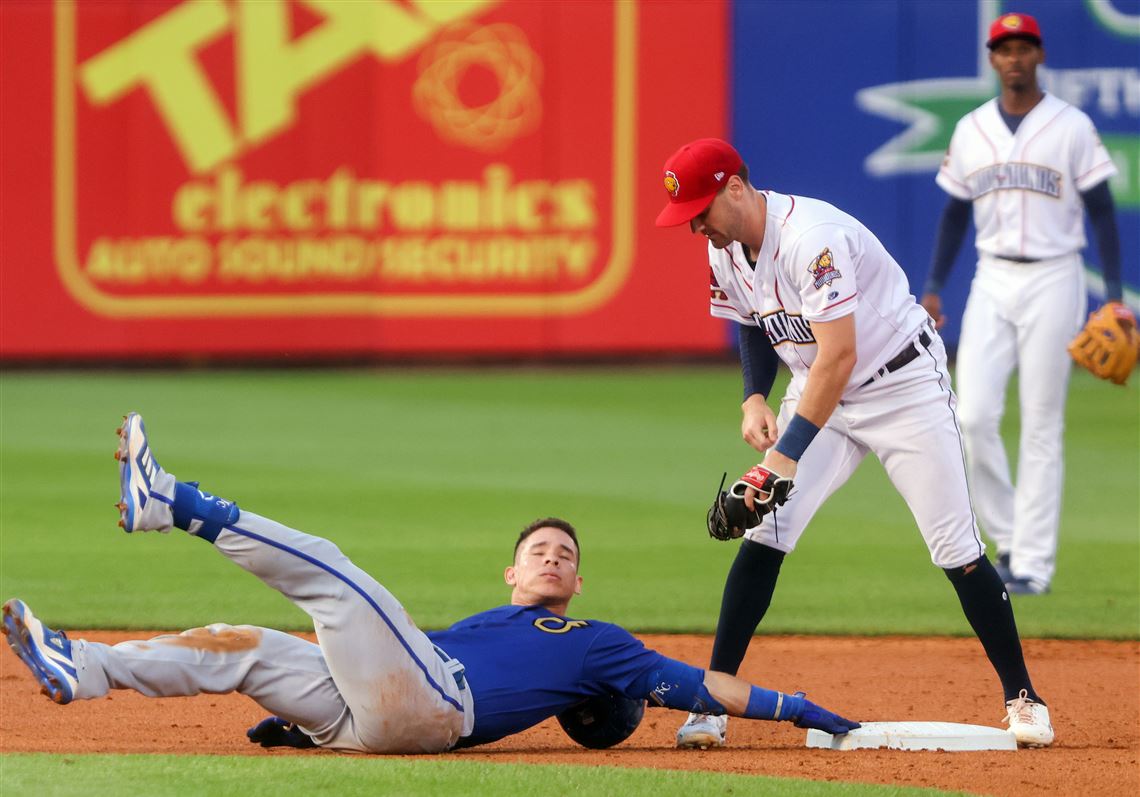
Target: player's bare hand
(758, 428)
(932, 304)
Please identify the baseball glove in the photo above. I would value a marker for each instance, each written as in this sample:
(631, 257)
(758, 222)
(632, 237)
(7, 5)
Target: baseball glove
(277, 732)
(602, 721)
(1109, 344)
(729, 517)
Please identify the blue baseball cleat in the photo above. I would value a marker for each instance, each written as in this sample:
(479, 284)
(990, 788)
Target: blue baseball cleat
(46, 653)
(140, 508)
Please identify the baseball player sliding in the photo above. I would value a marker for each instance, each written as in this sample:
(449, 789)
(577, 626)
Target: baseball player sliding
(1027, 163)
(810, 285)
(374, 682)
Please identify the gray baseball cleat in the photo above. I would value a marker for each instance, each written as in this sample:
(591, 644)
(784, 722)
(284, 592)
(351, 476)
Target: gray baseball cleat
(1026, 586)
(703, 731)
(1001, 565)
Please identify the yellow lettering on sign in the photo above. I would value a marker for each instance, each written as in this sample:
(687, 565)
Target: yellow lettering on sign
(226, 202)
(161, 58)
(161, 259)
(272, 69)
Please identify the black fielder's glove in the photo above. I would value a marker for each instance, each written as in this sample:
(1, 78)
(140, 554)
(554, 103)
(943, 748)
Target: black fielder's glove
(276, 732)
(729, 517)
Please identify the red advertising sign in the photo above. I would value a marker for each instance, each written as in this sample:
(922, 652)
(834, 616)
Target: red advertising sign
(264, 177)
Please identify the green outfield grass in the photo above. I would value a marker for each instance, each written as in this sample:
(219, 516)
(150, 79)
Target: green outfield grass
(424, 477)
(89, 775)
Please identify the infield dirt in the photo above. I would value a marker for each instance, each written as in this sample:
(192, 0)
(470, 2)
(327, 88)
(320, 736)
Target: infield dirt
(1093, 689)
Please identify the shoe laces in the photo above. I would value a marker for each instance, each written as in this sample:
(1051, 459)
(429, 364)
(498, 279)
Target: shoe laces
(1020, 710)
(704, 719)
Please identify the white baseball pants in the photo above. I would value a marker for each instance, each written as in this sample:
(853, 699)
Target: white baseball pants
(1023, 316)
(907, 420)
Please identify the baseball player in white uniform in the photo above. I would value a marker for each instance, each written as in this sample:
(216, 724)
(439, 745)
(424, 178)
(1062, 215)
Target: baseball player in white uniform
(1027, 163)
(810, 284)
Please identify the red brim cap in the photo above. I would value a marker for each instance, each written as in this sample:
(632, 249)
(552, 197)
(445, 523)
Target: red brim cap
(1009, 26)
(694, 175)
(676, 213)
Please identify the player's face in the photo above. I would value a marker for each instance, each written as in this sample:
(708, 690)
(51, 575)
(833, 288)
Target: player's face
(717, 222)
(1016, 62)
(545, 571)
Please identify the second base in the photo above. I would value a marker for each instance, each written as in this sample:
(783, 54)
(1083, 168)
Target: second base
(916, 736)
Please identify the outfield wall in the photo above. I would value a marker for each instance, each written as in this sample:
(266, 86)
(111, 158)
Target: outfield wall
(280, 178)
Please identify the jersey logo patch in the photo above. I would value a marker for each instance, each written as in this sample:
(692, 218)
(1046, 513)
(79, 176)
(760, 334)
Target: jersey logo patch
(558, 625)
(671, 184)
(780, 327)
(823, 269)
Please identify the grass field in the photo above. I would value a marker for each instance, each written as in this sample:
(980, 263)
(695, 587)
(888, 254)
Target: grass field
(345, 777)
(424, 477)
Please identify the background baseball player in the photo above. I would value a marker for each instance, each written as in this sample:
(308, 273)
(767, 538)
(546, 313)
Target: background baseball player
(375, 682)
(1026, 162)
(812, 285)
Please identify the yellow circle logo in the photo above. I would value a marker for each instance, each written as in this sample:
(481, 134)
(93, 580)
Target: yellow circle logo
(1011, 21)
(671, 184)
(499, 51)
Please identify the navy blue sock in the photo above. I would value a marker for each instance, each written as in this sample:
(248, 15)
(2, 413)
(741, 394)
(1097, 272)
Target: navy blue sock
(990, 613)
(747, 595)
(192, 504)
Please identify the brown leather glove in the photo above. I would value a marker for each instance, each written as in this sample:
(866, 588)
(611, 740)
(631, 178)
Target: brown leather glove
(1109, 344)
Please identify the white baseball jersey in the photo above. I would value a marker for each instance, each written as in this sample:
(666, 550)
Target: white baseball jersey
(1025, 185)
(816, 264)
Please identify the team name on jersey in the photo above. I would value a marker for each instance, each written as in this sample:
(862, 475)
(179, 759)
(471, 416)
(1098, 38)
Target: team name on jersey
(558, 625)
(1010, 176)
(783, 327)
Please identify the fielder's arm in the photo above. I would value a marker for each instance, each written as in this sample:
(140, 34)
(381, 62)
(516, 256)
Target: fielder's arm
(952, 226)
(759, 363)
(827, 378)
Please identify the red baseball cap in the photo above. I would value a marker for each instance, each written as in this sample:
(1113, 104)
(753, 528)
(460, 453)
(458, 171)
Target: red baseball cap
(694, 175)
(1009, 25)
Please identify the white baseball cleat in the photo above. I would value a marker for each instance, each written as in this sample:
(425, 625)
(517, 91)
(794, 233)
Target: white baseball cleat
(703, 731)
(1029, 722)
(145, 489)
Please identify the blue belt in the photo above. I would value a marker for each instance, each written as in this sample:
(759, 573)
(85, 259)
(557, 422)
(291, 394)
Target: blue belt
(454, 666)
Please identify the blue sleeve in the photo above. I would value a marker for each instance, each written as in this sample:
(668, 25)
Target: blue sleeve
(952, 226)
(1102, 216)
(619, 661)
(758, 360)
